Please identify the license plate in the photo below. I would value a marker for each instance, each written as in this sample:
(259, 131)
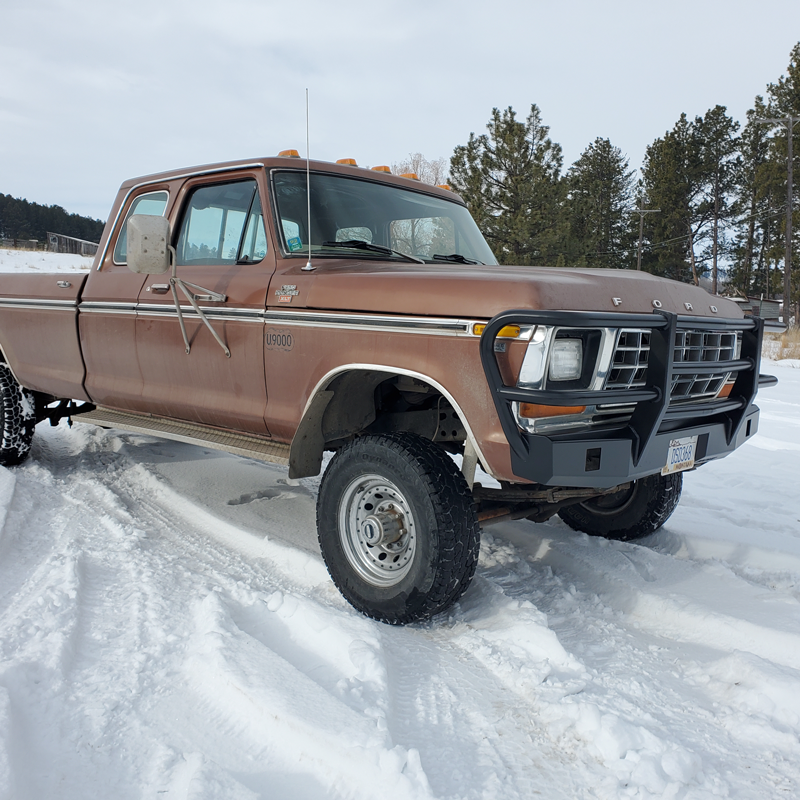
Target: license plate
(680, 455)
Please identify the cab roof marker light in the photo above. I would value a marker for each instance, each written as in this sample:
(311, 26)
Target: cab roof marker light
(288, 154)
(382, 168)
(350, 162)
(412, 175)
(444, 186)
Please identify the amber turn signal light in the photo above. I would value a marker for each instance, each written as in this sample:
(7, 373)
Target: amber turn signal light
(725, 391)
(536, 411)
(508, 332)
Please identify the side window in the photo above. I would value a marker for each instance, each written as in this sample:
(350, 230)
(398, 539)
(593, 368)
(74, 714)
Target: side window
(152, 203)
(254, 245)
(222, 224)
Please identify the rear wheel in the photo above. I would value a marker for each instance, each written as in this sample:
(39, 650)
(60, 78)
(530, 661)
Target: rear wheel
(397, 527)
(17, 419)
(630, 514)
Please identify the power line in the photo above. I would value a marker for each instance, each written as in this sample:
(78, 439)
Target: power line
(641, 211)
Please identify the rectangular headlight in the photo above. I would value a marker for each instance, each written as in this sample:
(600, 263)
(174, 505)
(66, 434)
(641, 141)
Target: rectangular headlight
(566, 360)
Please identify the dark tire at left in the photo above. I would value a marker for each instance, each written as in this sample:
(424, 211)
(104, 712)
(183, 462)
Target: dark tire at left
(397, 527)
(17, 419)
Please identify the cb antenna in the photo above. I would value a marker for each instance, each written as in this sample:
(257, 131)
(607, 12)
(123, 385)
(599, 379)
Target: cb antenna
(309, 266)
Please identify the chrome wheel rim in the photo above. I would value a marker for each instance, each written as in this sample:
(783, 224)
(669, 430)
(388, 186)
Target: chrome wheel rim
(377, 529)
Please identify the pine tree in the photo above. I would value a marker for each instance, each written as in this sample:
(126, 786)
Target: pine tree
(20, 219)
(510, 179)
(598, 209)
(784, 101)
(673, 181)
(758, 204)
(716, 139)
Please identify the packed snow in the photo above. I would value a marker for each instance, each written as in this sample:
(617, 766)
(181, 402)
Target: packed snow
(42, 261)
(168, 629)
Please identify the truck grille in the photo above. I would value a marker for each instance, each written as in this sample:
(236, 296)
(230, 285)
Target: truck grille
(632, 353)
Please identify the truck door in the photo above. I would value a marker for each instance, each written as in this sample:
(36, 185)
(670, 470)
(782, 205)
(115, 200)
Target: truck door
(220, 246)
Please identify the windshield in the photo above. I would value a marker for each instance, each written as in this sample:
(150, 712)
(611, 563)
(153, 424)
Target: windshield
(396, 223)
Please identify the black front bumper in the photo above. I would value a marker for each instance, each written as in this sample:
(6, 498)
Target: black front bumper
(607, 456)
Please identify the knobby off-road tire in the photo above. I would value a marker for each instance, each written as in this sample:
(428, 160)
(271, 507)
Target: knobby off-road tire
(631, 514)
(17, 419)
(397, 527)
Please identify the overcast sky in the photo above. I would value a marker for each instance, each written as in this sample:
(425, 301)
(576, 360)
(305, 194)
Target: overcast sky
(93, 91)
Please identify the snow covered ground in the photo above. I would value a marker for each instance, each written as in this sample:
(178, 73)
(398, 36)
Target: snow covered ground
(168, 629)
(40, 261)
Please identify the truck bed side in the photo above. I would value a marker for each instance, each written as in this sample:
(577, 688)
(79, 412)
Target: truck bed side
(39, 331)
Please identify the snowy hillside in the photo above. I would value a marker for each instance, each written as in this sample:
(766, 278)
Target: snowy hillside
(168, 629)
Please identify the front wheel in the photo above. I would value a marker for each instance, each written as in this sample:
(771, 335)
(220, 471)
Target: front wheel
(397, 527)
(17, 419)
(630, 514)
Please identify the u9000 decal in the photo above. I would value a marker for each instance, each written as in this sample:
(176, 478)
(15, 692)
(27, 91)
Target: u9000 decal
(278, 339)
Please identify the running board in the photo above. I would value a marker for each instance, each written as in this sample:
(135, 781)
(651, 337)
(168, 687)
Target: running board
(239, 444)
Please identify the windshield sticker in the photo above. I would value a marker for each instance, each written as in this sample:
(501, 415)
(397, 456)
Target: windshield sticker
(294, 244)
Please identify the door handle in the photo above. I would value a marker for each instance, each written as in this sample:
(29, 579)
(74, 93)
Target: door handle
(158, 288)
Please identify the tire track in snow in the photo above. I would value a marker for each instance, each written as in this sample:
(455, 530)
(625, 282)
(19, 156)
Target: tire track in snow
(488, 696)
(645, 711)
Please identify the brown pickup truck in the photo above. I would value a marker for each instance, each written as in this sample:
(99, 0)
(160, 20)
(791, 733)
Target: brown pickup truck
(279, 309)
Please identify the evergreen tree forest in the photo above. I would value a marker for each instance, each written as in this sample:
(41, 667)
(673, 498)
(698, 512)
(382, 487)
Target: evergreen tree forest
(712, 195)
(20, 219)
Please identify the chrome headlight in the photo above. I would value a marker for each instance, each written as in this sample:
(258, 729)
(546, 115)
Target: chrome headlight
(565, 359)
(531, 376)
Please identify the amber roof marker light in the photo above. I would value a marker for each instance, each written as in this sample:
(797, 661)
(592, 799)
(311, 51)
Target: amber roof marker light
(288, 154)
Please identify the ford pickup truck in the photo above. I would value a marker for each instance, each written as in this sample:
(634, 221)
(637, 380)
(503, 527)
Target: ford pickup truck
(280, 309)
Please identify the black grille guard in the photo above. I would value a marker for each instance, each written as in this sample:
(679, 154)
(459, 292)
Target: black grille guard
(652, 402)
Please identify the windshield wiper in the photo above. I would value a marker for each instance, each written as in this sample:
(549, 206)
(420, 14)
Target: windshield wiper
(458, 258)
(360, 244)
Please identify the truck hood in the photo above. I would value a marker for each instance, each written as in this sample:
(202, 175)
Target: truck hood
(480, 292)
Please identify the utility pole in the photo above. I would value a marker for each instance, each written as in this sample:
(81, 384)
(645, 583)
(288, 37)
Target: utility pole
(641, 211)
(788, 122)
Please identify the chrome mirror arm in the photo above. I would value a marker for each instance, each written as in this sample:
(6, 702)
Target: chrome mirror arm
(186, 288)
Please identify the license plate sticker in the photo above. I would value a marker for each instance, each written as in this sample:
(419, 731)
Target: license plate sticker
(680, 455)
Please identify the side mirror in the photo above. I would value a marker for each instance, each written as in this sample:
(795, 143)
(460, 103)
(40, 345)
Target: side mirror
(148, 244)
